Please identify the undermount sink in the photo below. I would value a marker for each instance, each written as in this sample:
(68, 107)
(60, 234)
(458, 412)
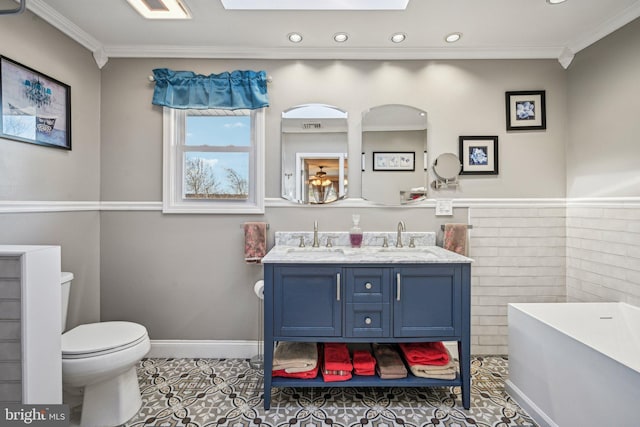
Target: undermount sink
(315, 250)
(403, 249)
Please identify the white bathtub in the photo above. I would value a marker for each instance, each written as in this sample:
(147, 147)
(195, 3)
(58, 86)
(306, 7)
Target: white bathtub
(576, 364)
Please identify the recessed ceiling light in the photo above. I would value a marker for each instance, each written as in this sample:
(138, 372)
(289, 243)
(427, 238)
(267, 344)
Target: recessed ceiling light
(294, 37)
(398, 37)
(453, 37)
(555, 1)
(315, 4)
(340, 37)
(161, 9)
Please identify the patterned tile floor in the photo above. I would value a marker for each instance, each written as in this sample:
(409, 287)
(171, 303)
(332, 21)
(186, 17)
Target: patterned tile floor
(228, 392)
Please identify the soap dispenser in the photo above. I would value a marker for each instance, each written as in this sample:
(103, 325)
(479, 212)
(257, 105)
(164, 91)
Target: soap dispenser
(355, 234)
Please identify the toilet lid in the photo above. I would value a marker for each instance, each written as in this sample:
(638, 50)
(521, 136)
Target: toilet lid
(101, 337)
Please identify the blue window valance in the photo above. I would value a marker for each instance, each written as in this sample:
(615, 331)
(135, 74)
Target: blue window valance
(228, 91)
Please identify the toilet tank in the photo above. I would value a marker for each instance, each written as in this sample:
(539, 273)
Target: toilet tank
(65, 281)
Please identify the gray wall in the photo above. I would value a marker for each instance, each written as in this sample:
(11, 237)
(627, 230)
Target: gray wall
(33, 173)
(603, 237)
(604, 128)
(183, 276)
(460, 97)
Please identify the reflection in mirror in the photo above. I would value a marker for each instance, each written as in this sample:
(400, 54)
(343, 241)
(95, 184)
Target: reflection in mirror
(447, 167)
(314, 154)
(394, 129)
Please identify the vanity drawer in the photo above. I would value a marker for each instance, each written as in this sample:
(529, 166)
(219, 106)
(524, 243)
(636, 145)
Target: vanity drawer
(367, 320)
(367, 285)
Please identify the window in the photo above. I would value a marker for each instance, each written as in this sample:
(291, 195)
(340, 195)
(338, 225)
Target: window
(213, 161)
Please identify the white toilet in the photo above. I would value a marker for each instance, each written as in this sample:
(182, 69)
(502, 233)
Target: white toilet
(99, 360)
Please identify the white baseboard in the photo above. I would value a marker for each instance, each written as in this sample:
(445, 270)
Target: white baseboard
(204, 349)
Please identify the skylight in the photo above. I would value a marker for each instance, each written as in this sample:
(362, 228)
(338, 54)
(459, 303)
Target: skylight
(315, 4)
(161, 9)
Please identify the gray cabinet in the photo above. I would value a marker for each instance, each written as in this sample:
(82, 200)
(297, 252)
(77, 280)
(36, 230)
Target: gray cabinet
(367, 303)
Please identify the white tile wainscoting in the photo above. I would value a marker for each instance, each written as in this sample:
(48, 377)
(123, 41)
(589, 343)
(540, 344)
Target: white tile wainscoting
(519, 252)
(603, 250)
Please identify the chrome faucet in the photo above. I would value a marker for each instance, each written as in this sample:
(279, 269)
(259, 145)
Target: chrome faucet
(401, 228)
(315, 244)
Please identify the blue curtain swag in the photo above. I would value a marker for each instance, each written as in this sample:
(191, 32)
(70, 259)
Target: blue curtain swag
(227, 91)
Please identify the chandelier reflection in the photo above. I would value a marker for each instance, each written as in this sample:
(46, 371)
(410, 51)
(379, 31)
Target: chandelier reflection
(37, 93)
(321, 186)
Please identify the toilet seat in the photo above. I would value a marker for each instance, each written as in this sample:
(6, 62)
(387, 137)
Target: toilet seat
(96, 339)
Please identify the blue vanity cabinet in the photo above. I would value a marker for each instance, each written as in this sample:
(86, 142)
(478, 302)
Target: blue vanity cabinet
(427, 302)
(307, 301)
(367, 309)
(367, 303)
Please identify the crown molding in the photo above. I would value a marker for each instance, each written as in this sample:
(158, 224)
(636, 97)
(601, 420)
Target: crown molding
(597, 33)
(342, 53)
(46, 12)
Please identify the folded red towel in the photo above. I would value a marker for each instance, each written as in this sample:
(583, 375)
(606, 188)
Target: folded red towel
(336, 357)
(425, 353)
(306, 375)
(332, 376)
(363, 363)
(301, 375)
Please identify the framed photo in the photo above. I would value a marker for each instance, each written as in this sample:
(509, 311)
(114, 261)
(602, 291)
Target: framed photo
(526, 110)
(394, 161)
(35, 108)
(479, 155)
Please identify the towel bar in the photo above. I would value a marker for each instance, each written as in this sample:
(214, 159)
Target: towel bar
(242, 226)
(469, 227)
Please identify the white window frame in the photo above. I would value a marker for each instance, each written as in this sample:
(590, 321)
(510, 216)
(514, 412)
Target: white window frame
(174, 122)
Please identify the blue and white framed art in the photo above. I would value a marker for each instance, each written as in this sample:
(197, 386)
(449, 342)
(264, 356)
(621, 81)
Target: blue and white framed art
(479, 155)
(526, 110)
(34, 107)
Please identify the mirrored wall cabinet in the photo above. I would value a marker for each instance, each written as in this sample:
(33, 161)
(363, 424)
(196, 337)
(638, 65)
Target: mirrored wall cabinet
(314, 154)
(394, 159)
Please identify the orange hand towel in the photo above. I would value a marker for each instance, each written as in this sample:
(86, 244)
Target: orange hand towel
(455, 238)
(425, 353)
(255, 241)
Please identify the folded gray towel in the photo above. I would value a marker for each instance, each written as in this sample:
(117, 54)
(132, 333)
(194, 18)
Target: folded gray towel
(389, 363)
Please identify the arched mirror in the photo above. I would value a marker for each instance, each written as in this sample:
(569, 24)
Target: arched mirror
(314, 154)
(394, 147)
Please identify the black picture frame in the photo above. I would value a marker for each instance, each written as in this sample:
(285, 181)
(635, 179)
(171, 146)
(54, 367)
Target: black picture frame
(478, 155)
(34, 108)
(394, 161)
(526, 110)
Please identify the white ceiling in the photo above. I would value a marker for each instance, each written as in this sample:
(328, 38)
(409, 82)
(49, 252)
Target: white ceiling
(492, 29)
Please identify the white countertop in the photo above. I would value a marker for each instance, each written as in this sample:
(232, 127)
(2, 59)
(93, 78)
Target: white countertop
(284, 254)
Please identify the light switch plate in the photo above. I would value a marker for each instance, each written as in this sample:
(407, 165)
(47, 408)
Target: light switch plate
(444, 207)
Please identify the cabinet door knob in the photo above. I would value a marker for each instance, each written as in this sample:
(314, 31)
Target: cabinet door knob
(398, 284)
(368, 285)
(338, 286)
(367, 320)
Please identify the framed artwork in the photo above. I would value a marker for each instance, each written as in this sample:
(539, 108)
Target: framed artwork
(479, 155)
(394, 161)
(35, 108)
(526, 110)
